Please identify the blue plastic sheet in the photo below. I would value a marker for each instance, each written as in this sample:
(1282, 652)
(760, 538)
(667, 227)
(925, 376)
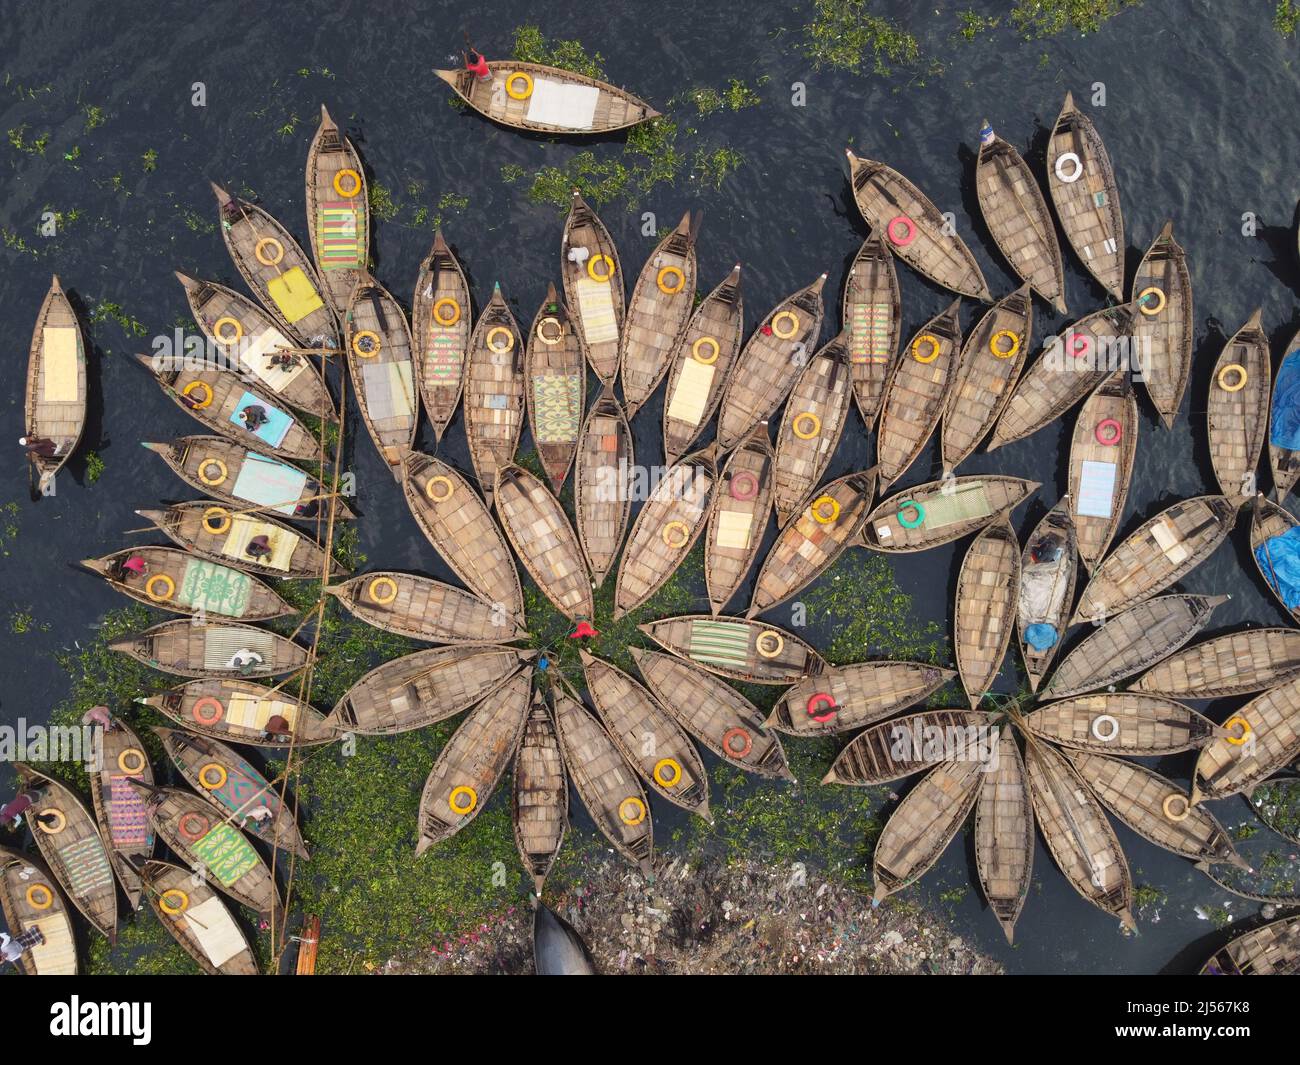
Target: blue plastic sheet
(1284, 428)
(1041, 636)
(1279, 560)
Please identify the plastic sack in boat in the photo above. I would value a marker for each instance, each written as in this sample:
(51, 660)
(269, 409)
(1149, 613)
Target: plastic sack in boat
(1284, 425)
(1279, 560)
(1040, 636)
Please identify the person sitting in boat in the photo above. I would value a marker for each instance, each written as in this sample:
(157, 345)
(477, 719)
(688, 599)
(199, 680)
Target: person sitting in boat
(308, 509)
(135, 566)
(13, 810)
(259, 815)
(13, 949)
(258, 547)
(99, 715)
(276, 728)
(254, 416)
(245, 660)
(41, 445)
(477, 65)
(284, 359)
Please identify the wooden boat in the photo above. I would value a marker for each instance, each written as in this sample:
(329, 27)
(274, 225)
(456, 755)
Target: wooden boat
(1238, 407)
(239, 711)
(424, 688)
(662, 302)
(985, 375)
(665, 530)
(545, 542)
(1127, 723)
(547, 99)
(338, 212)
(119, 810)
(55, 403)
(198, 920)
(459, 526)
(232, 786)
(1234, 664)
(1259, 739)
(441, 318)
(842, 698)
(593, 287)
(558, 950)
(184, 584)
(873, 320)
(556, 374)
(1163, 326)
(651, 740)
(713, 712)
(238, 475)
(421, 608)
(468, 768)
(382, 368)
(917, 394)
(1102, 450)
(1016, 214)
(1132, 641)
(940, 512)
(1270, 950)
(829, 522)
(1283, 416)
(212, 531)
(701, 365)
(736, 648)
(1070, 366)
(738, 518)
(917, 232)
(766, 368)
(1004, 835)
(540, 794)
(901, 746)
(988, 589)
(608, 787)
(494, 391)
(276, 268)
(1160, 552)
(252, 343)
(217, 649)
(811, 426)
(31, 899)
(308, 946)
(601, 498)
(1089, 208)
(1049, 568)
(1268, 522)
(68, 839)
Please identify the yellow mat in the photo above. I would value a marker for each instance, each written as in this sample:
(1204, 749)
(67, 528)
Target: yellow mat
(254, 358)
(734, 529)
(596, 309)
(692, 392)
(57, 956)
(294, 294)
(59, 364)
(251, 712)
(243, 529)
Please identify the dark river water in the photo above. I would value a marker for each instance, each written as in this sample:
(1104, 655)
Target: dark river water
(1199, 120)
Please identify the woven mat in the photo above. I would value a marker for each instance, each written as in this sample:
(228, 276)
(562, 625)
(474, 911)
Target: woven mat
(215, 589)
(226, 853)
(128, 823)
(294, 294)
(86, 865)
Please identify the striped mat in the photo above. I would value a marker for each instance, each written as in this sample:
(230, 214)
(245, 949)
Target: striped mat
(720, 642)
(596, 311)
(127, 823)
(86, 866)
(226, 853)
(342, 236)
(965, 503)
(869, 332)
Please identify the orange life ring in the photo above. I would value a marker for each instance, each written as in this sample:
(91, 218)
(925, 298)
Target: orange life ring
(773, 648)
(1239, 383)
(734, 733)
(600, 257)
(371, 337)
(439, 479)
(670, 270)
(185, 825)
(221, 777)
(60, 821)
(222, 472)
(39, 897)
(909, 231)
(1246, 730)
(999, 335)
(932, 354)
(802, 418)
(137, 759)
(1176, 797)
(1109, 432)
(819, 699)
(1161, 300)
(218, 711)
(457, 792)
(783, 316)
(372, 590)
(819, 509)
(173, 908)
(748, 480)
(631, 811)
(499, 330)
(519, 94)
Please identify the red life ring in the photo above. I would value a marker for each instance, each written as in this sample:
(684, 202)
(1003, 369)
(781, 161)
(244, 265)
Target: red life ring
(199, 704)
(1080, 345)
(751, 485)
(909, 231)
(193, 834)
(1111, 438)
(732, 734)
(817, 700)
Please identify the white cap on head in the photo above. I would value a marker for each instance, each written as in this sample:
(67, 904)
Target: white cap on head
(22, 440)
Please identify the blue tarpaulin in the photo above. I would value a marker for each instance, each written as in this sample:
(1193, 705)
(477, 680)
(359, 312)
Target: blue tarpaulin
(1284, 428)
(1040, 636)
(1279, 559)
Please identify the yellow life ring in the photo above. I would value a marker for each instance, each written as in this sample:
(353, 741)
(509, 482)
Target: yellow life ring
(467, 792)
(1246, 730)
(679, 527)
(600, 257)
(802, 417)
(500, 330)
(372, 590)
(527, 89)
(673, 774)
(783, 316)
(160, 597)
(137, 759)
(366, 334)
(60, 818)
(223, 524)
(223, 473)
(550, 319)
(224, 338)
(774, 641)
(439, 479)
(221, 778)
(173, 901)
(631, 811)
(695, 351)
(997, 337)
(819, 507)
(1173, 798)
(670, 271)
(1242, 377)
(353, 189)
(193, 387)
(447, 301)
(39, 897)
(262, 245)
(1151, 312)
(925, 338)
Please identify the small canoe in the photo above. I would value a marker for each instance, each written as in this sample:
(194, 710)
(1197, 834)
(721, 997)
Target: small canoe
(891, 750)
(651, 740)
(1254, 743)
(843, 698)
(1163, 327)
(1131, 642)
(118, 809)
(1237, 410)
(828, 523)
(1160, 552)
(421, 608)
(31, 899)
(1127, 723)
(198, 920)
(55, 404)
(459, 526)
(1086, 196)
(547, 99)
(558, 950)
(736, 648)
(1284, 423)
(441, 319)
(1237, 663)
(738, 520)
(539, 794)
(1049, 569)
(494, 391)
(602, 501)
(593, 287)
(661, 305)
(1004, 835)
(986, 374)
(338, 211)
(1270, 950)
(217, 649)
(473, 761)
(1270, 527)
(701, 365)
(917, 394)
(674, 515)
(713, 712)
(939, 512)
(556, 376)
(916, 230)
(1102, 449)
(766, 368)
(1016, 213)
(811, 426)
(177, 581)
(988, 588)
(382, 369)
(873, 320)
(238, 711)
(276, 268)
(232, 786)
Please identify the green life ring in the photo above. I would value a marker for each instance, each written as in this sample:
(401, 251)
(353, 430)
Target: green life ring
(912, 504)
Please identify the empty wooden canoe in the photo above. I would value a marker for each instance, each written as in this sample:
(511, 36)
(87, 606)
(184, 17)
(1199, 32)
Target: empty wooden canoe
(441, 318)
(1237, 409)
(736, 648)
(424, 609)
(338, 211)
(198, 920)
(55, 404)
(661, 304)
(904, 745)
(540, 794)
(217, 649)
(738, 520)
(556, 375)
(1004, 835)
(1284, 423)
(1049, 568)
(601, 499)
(1164, 327)
(843, 698)
(1270, 950)
(459, 526)
(1086, 196)
(917, 232)
(701, 365)
(940, 512)
(772, 357)
(1159, 552)
(811, 426)
(31, 899)
(1127, 723)
(1253, 744)
(828, 523)
(1016, 214)
(1270, 527)
(873, 321)
(239, 711)
(1235, 664)
(547, 99)
(119, 809)
(1102, 450)
(494, 391)
(988, 588)
(469, 767)
(382, 369)
(986, 374)
(593, 287)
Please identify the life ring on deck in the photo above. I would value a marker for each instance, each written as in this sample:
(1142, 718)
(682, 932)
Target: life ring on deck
(997, 337)
(222, 472)
(1173, 799)
(137, 759)
(155, 595)
(803, 417)
(446, 301)
(1161, 300)
(909, 231)
(667, 773)
(769, 643)
(39, 897)
(670, 271)
(1111, 734)
(740, 734)
(1239, 383)
(824, 509)
(1246, 730)
(600, 257)
(550, 319)
(1080, 345)
(173, 901)
(818, 700)
(695, 351)
(224, 520)
(372, 346)
(1108, 432)
(60, 821)
(209, 782)
(631, 811)
(352, 189)
(185, 825)
(675, 527)
(784, 316)
(193, 387)
(527, 90)
(224, 338)
(493, 333)
(203, 703)
(748, 480)
(277, 250)
(372, 590)
(466, 792)
(925, 338)
(439, 479)
(913, 505)
(1065, 159)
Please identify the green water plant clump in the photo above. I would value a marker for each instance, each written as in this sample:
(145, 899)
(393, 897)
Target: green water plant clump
(1043, 18)
(530, 46)
(846, 35)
